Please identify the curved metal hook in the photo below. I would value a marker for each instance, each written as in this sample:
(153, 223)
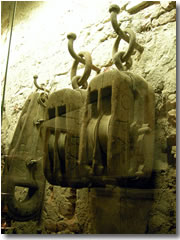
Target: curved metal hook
(132, 39)
(42, 99)
(38, 87)
(120, 57)
(77, 80)
(72, 37)
(117, 60)
(114, 10)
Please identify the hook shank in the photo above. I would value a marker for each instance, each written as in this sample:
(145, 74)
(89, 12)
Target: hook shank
(114, 10)
(72, 37)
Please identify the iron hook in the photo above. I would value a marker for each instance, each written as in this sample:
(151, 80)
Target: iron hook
(72, 37)
(36, 84)
(114, 10)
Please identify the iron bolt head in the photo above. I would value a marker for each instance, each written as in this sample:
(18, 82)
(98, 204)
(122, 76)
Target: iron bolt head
(31, 162)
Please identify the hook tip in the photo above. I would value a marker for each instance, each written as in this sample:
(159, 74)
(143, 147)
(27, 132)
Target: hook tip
(71, 36)
(35, 76)
(114, 8)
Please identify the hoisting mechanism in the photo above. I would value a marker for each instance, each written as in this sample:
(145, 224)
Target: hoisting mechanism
(100, 132)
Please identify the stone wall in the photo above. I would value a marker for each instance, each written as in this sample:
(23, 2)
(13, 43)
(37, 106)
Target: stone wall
(39, 46)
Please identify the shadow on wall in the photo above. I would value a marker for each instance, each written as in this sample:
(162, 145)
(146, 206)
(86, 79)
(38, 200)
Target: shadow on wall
(24, 7)
(121, 210)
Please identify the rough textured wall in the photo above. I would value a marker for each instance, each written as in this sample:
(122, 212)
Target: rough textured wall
(39, 46)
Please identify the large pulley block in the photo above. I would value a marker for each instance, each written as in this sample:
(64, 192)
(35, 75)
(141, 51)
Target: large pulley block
(117, 137)
(104, 135)
(61, 137)
(24, 162)
(101, 136)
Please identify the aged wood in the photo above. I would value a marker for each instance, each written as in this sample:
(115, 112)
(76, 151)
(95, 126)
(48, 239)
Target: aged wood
(23, 166)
